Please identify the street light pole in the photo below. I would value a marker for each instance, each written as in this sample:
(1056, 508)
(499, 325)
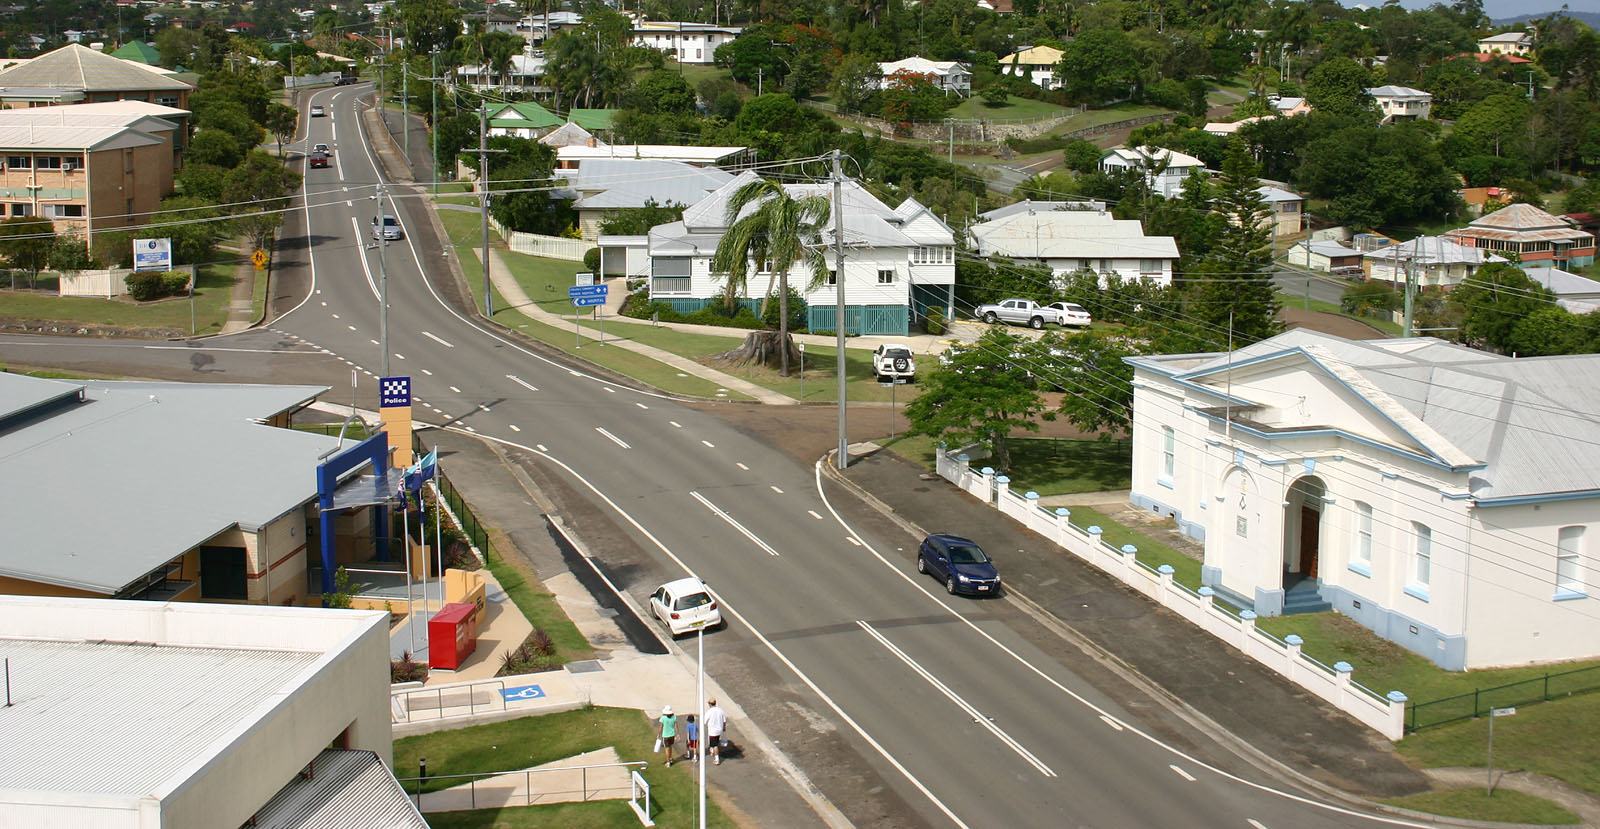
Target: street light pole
(405, 109)
(700, 743)
(838, 292)
(383, 287)
(433, 124)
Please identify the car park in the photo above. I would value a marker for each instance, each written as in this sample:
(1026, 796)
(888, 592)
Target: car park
(319, 159)
(684, 606)
(893, 362)
(960, 563)
(318, 111)
(1071, 313)
(389, 230)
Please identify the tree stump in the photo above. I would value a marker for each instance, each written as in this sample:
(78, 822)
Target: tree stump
(763, 348)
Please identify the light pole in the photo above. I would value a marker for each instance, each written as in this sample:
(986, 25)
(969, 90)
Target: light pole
(383, 286)
(433, 123)
(700, 744)
(838, 289)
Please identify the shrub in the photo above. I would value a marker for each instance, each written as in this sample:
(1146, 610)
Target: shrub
(541, 642)
(174, 282)
(797, 310)
(933, 323)
(526, 659)
(1369, 299)
(144, 286)
(406, 669)
(591, 260)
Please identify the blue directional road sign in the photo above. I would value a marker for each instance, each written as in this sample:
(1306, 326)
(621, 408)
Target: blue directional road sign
(582, 291)
(522, 692)
(586, 301)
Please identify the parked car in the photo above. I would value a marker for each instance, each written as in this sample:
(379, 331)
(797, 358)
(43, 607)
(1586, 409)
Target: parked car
(893, 361)
(1071, 313)
(318, 111)
(319, 159)
(390, 229)
(685, 605)
(960, 563)
(1020, 311)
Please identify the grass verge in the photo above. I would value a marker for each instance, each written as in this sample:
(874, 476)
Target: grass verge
(1055, 466)
(1290, 300)
(213, 292)
(537, 604)
(531, 741)
(1506, 806)
(1556, 738)
(1015, 109)
(1186, 571)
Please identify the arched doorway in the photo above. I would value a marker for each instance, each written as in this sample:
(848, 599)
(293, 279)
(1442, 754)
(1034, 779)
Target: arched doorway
(1302, 531)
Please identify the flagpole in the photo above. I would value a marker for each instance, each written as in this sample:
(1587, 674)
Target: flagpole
(438, 525)
(405, 524)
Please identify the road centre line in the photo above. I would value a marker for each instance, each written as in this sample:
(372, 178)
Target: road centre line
(814, 514)
(774, 488)
(640, 405)
(614, 439)
(374, 342)
(521, 382)
(427, 372)
(436, 339)
(709, 444)
(454, 389)
(1172, 750)
(675, 424)
(1181, 773)
(734, 524)
(514, 427)
(400, 356)
(335, 316)
(1111, 721)
(742, 466)
(977, 716)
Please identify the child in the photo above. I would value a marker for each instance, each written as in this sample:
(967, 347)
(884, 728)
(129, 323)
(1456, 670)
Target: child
(692, 730)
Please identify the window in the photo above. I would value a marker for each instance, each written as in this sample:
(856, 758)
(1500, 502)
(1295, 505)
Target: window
(1422, 562)
(1169, 451)
(1364, 534)
(222, 573)
(886, 277)
(63, 211)
(19, 162)
(47, 162)
(72, 162)
(669, 274)
(1150, 267)
(167, 100)
(21, 209)
(934, 255)
(1569, 561)
(833, 278)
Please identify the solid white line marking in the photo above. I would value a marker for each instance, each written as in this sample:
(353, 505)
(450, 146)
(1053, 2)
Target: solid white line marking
(366, 267)
(641, 405)
(614, 439)
(1111, 721)
(734, 524)
(675, 424)
(742, 466)
(814, 514)
(454, 389)
(437, 340)
(1255, 823)
(1181, 773)
(521, 382)
(977, 716)
(709, 444)
(774, 489)
(204, 348)
(852, 540)
(574, 373)
(514, 427)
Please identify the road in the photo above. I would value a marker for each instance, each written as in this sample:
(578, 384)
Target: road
(958, 718)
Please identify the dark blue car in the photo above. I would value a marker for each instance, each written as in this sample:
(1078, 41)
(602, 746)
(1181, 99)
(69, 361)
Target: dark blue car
(960, 563)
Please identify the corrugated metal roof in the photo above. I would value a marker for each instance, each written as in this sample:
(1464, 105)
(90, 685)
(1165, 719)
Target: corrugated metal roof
(75, 66)
(671, 152)
(1562, 282)
(124, 719)
(1519, 216)
(82, 137)
(152, 469)
(628, 182)
(350, 789)
(1066, 234)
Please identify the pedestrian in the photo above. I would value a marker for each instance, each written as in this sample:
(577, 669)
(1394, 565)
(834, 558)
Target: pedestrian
(691, 730)
(667, 731)
(716, 721)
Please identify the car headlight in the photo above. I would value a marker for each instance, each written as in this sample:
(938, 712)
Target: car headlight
(962, 579)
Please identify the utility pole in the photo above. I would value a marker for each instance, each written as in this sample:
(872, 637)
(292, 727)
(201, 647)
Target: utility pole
(383, 285)
(483, 182)
(759, 71)
(433, 124)
(405, 109)
(838, 293)
(1411, 291)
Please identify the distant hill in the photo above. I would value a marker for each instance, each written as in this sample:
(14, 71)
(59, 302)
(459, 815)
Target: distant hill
(1591, 19)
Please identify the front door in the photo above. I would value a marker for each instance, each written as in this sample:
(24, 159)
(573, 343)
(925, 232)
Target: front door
(1310, 533)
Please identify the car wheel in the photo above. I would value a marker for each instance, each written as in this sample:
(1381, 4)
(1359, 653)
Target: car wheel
(922, 565)
(950, 585)
(901, 364)
(1036, 323)
(990, 318)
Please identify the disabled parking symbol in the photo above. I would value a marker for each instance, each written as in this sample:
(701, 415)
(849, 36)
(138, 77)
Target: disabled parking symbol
(524, 692)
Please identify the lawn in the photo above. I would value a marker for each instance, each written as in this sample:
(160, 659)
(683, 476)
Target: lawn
(531, 741)
(1110, 114)
(695, 74)
(1555, 738)
(1506, 806)
(1016, 109)
(1053, 466)
(212, 295)
(1186, 571)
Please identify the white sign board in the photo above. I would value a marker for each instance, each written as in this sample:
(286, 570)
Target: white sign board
(1502, 712)
(152, 254)
(584, 279)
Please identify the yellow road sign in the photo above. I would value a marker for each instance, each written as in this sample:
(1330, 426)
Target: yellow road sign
(259, 258)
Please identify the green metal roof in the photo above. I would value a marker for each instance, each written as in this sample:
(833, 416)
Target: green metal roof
(592, 119)
(138, 50)
(527, 115)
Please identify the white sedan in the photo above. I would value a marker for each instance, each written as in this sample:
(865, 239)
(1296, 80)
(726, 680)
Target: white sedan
(1072, 313)
(685, 605)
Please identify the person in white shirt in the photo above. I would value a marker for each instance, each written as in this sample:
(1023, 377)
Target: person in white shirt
(716, 720)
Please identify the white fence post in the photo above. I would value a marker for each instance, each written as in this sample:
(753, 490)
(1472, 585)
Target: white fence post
(1002, 485)
(1295, 644)
(1342, 679)
(1130, 554)
(1063, 525)
(1397, 715)
(1166, 571)
(1247, 625)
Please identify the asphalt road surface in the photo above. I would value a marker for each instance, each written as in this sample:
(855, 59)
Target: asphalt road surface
(954, 716)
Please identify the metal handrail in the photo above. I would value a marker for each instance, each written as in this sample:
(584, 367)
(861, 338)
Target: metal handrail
(527, 780)
(472, 697)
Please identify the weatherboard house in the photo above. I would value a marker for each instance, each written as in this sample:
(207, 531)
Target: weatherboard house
(898, 262)
(1446, 498)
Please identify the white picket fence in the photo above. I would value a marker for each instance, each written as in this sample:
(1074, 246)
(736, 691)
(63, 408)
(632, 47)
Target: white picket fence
(1384, 714)
(96, 283)
(535, 244)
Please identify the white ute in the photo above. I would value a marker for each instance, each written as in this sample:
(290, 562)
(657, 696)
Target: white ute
(1020, 311)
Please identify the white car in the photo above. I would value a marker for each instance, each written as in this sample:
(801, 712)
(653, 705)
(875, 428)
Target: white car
(321, 148)
(892, 362)
(685, 605)
(317, 111)
(1071, 313)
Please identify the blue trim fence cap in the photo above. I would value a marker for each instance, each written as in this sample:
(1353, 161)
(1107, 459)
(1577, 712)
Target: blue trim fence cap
(987, 470)
(1031, 495)
(1397, 696)
(964, 458)
(1343, 667)
(1294, 639)
(1094, 529)
(1063, 512)
(1002, 479)
(1247, 614)
(1129, 549)
(1205, 590)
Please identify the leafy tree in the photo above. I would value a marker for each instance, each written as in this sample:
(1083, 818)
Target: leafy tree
(1082, 156)
(259, 188)
(1338, 86)
(855, 82)
(25, 243)
(1373, 176)
(982, 392)
(637, 221)
(661, 91)
(754, 57)
(516, 199)
(215, 148)
(1493, 301)
(1098, 383)
(722, 97)
(281, 122)
(1099, 66)
(181, 219)
(1549, 330)
(909, 97)
(780, 231)
(1493, 126)
(429, 23)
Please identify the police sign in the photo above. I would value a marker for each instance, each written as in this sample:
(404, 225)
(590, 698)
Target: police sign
(394, 391)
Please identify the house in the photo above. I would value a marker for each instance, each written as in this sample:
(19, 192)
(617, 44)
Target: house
(948, 75)
(1532, 234)
(165, 528)
(1289, 106)
(1287, 210)
(604, 186)
(139, 52)
(569, 135)
(898, 261)
(1577, 294)
(1440, 496)
(1173, 166)
(77, 74)
(1401, 103)
(1326, 256)
(522, 120)
(523, 72)
(1476, 197)
(1434, 261)
(89, 167)
(1036, 63)
(572, 157)
(538, 27)
(1068, 238)
(1519, 44)
(1226, 129)
(147, 714)
(694, 43)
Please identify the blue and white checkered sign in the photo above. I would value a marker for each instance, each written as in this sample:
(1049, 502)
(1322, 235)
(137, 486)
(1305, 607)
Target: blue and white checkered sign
(393, 392)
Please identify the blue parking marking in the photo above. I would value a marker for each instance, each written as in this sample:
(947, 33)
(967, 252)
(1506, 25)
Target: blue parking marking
(522, 692)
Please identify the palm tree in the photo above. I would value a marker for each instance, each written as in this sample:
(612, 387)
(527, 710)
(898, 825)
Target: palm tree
(781, 231)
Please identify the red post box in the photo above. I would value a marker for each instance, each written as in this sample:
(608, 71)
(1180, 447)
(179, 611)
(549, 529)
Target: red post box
(452, 635)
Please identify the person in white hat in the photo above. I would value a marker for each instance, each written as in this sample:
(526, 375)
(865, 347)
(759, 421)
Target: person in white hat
(667, 731)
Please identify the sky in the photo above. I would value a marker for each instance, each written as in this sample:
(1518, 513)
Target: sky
(1498, 9)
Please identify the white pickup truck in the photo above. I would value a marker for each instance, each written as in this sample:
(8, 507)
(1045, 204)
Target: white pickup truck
(1020, 311)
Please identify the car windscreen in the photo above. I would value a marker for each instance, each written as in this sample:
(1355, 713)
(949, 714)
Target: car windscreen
(692, 601)
(966, 554)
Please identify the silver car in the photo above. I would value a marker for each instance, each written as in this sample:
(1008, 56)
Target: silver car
(389, 230)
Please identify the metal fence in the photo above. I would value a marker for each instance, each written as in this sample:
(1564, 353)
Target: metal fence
(1420, 715)
(506, 789)
(444, 703)
(470, 526)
